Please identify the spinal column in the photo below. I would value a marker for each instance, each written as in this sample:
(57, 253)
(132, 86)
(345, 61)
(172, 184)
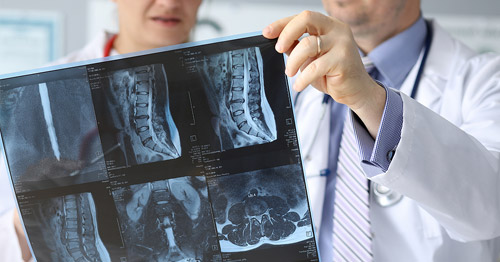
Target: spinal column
(143, 114)
(79, 230)
(244, 117)
(141, 98)
(69, 226)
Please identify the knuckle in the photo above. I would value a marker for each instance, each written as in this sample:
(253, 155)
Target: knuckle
(343, 25)
(306, 14)
(346, 29)
(309, 44)
(314, 66)
(342, 54)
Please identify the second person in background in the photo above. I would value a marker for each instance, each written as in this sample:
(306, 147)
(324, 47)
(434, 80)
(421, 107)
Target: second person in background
(143, 25)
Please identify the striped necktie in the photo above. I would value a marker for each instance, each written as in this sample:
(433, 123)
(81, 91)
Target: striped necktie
(370, 67)
(351, 222)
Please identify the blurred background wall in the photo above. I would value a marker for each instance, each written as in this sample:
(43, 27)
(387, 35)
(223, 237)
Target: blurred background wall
(34, 32)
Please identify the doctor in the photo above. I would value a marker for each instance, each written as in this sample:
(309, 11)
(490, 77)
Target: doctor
(143, 25)
(426, 135)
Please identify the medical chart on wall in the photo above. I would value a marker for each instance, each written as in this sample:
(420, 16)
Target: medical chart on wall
(180, 154)
(29, 39)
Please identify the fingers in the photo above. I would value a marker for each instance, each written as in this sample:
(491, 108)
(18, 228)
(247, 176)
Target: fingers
(274, 30)
(306, 63)
(306, 22)
(293, 47)
(307, 48)
(291, 28)
(315, 70)
(328, 57)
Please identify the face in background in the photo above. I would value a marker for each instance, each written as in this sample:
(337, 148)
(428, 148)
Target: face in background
(376, 19)
(146, 24)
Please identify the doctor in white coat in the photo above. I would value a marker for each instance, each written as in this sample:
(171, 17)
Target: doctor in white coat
(442, 179)
(144, 24)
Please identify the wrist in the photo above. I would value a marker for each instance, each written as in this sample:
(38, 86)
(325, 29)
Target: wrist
(370, 107)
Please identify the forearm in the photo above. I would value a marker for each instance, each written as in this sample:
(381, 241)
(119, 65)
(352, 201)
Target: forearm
(448, 172)
(370, 108)
(376, 154)
(21, 237)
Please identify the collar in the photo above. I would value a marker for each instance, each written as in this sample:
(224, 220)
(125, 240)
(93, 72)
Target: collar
(395, 57)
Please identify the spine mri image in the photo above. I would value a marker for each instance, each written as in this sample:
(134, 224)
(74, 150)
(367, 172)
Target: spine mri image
(167, 220)
(64, 229)
(234, 84)
(140, 99)
(184, 154)
(41, 125)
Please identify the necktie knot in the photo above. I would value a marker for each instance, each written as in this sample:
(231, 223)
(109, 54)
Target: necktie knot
(368, 63)
(370, 68)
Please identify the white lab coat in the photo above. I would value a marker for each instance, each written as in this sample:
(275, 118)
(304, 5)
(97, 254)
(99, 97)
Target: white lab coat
(446, 164)
(9, 245)
(94, 49)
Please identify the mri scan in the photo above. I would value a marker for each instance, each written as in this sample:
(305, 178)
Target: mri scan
(139, 99)
(168, 220)
(234, 84)
(40, 124)
(261, 207)
(65, 229)
(181, 154)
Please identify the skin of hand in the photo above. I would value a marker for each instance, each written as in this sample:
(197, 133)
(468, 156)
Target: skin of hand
(23, 243)
(336, 69)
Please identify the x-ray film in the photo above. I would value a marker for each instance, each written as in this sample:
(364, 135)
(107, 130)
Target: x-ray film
(139, 97)
(65, 229)
(261, 209)
(236, 78)
(167, 220)
(186, 153)
(44, 130)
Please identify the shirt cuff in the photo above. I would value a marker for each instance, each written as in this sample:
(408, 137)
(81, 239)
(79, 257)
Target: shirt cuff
(376, 156)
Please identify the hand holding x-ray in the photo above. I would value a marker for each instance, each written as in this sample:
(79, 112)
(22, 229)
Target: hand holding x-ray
(328, 60)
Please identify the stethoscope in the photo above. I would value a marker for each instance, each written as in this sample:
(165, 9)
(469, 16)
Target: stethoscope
(384, 196)
(109, 46)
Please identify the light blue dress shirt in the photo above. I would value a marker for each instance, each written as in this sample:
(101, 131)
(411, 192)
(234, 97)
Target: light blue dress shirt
(393, 59)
